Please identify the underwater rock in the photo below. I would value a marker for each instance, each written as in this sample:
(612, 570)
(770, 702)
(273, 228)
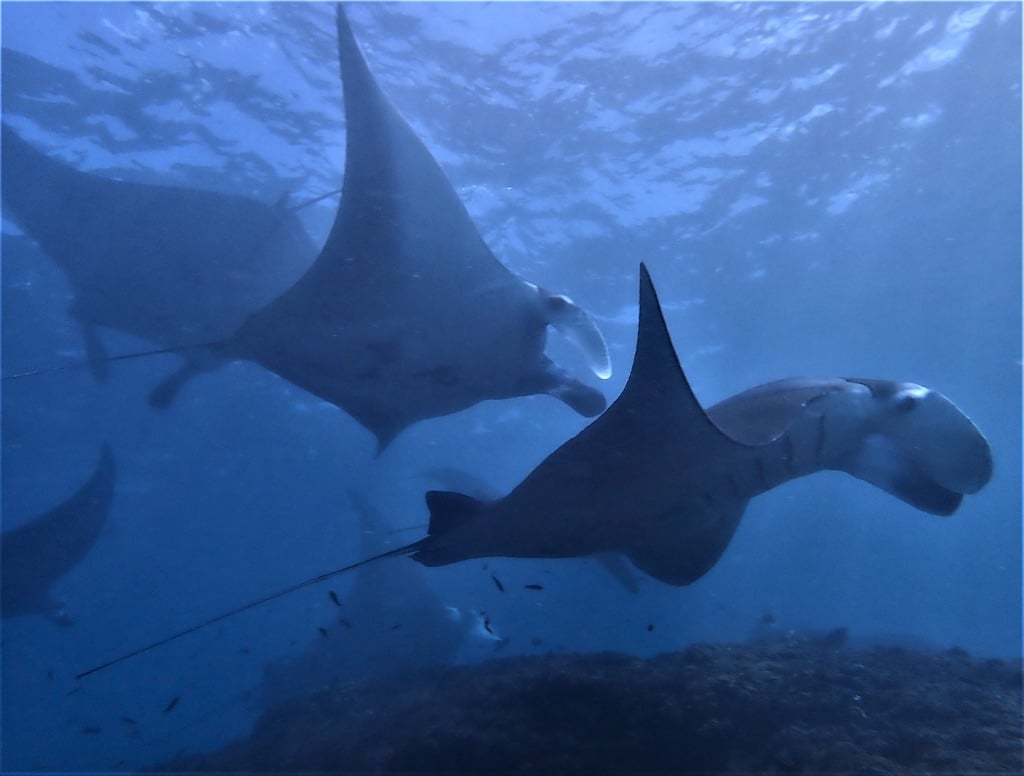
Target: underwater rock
(780, 708)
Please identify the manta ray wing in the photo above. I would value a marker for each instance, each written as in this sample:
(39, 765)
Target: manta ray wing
(173, 265)
(632, 479)
(406, 314)
(37, 554)
(661, 480)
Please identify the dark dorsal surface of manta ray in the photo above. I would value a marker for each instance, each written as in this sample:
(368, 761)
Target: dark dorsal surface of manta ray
(175, 266)
(406, 314)
(468, 484)
(34, 556)
(665, 483)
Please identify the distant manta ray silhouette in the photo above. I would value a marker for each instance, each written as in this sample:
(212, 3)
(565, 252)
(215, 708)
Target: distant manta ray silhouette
(406, 314)
(34, 556)
(173, 265)
(664, 482)
(388, 620)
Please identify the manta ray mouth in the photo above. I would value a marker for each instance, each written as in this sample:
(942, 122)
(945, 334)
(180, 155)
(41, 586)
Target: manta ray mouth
(887, 466)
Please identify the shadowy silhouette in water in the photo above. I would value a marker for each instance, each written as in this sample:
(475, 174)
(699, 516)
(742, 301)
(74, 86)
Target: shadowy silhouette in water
(173, 265)
(38, 553)
(389, 620)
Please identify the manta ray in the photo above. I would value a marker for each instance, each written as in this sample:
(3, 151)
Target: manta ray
(664, 482)
(34, 556)
(406, 314)
(172, 265)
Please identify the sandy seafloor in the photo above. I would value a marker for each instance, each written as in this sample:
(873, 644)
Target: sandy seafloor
(799, 706)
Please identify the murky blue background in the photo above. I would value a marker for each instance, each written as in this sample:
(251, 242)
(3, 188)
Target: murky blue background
(820, 189)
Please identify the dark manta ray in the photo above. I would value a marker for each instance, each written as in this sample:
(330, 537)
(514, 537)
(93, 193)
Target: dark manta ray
(37, 554)
(406, 314)
(664, 482)
(172, 265)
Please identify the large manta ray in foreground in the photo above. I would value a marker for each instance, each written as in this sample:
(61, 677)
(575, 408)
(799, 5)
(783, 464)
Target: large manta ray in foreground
(664, 482)
(34, 556)
(406, 314)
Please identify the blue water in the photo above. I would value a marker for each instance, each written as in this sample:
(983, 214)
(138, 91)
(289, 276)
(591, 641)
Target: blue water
(822, 189)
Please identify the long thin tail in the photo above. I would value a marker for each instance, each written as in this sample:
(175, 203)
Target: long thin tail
(406, 550)
(122, 357)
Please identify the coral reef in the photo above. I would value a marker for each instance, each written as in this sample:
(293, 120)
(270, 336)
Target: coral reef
(791, 707)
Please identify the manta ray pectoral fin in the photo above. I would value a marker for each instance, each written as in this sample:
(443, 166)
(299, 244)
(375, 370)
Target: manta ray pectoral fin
(576, 325)
(690, 545)
(883, 464)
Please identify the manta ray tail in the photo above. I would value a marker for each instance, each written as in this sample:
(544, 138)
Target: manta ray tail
(93, 365)
(406, 550)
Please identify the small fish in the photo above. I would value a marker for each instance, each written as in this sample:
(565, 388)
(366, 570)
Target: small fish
(534, 587)
(497, 583)
(128, 720)
(173, 703)
(91, 730)
(323, 632)
(49, 674)
(487, 625)
(536, 641)
(346, 623)
(650, 628)
(334, 597)
(396, 626)
(245, 651)
(73, 690)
